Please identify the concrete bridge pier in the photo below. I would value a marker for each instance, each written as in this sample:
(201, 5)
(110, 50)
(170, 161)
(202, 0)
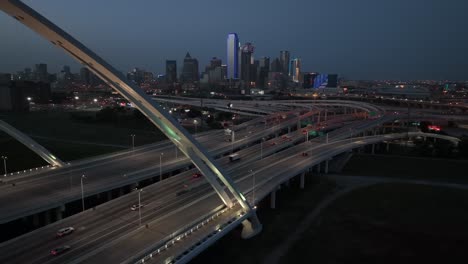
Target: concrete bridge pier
(318, 167)
(251, 226)
(273, 199)
(373, 149)
(35, 219)
(301, 185)
(47, 215)
(387, 148)
(326, 167)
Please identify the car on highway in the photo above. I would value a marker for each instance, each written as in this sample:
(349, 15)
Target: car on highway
(65, 231)
(196, 175)
(59, 250)
(136, 206)
(234, 157)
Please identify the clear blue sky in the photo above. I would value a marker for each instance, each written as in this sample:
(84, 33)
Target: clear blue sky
(359, 39)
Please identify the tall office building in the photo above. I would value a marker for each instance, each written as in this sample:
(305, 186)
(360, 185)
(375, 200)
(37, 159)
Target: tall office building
(262, 72)
(233, 56)
(332, 80)
(284, 59)
(309, 79)
(295, 70)
(41, 72)
(171, 71)
(246, 63)
(190, 69)
(85, 76)
(275, 65)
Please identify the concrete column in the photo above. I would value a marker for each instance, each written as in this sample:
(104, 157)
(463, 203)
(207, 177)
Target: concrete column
(388, 147)
(302, 180)
(58, 214)
(289, 129)
(318, 167)
(326, 167)
(47, 216)
(121, 191)
(273, 199)
(373, 149)
(383, 130)
(35, 219)
(286, 183)
(326, 112)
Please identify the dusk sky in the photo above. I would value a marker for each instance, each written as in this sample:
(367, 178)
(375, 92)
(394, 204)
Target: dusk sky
(360, 39)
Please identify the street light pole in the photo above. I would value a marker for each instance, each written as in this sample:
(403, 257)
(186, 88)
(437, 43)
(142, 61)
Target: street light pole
(133, 141)
(4, 165)
(139, 203)
(82, 191)
(233, 138)
(160, 166)
(261, 149)
(253, 188)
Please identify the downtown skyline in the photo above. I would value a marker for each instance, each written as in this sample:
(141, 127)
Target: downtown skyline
(399, 43)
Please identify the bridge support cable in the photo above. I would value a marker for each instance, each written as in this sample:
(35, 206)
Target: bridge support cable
(152, 110)
(31, 144)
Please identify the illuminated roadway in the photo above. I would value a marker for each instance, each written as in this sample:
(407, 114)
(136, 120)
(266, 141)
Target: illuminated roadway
(114, 218)
(51, 189)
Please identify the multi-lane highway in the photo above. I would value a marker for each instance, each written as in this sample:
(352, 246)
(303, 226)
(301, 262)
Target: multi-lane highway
(22, 196)
(162, 207)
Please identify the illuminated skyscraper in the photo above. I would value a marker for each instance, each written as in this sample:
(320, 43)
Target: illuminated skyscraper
(233, 56)
(295, 71)
(284, 59)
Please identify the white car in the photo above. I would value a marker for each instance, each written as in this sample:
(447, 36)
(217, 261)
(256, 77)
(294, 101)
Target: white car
(136, 206)
(65, 231)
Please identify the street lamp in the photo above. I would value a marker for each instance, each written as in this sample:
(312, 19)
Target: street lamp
(82, 191)
(261, 148)
(4, 165)
(195, 122)
(139, 203)
(133, 141)
(253, 187)
(160, 166)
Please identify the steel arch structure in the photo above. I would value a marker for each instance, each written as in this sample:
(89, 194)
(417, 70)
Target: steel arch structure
(31, 144)
(155, 113)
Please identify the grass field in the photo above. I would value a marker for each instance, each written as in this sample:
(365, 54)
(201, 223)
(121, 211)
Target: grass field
(292, 206)
(59, 125)
(450, 170)
(388, 223)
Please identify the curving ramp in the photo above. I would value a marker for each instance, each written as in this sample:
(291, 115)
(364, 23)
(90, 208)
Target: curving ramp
(31, 144)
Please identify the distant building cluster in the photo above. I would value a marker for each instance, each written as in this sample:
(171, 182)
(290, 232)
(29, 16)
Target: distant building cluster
(240, 73)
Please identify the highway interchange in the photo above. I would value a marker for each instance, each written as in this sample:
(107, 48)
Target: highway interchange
(111, 233)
